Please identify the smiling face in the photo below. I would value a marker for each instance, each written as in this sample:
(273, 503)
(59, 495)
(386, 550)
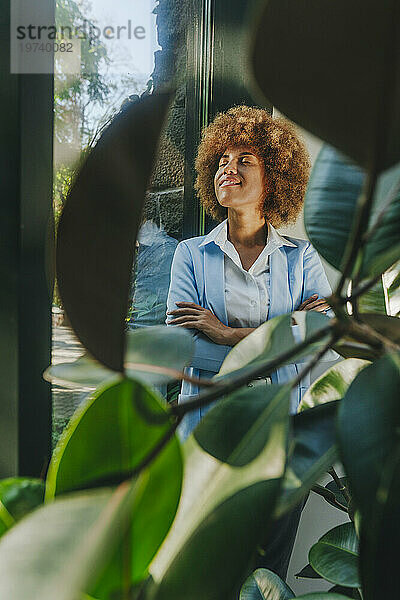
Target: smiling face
(240, 181)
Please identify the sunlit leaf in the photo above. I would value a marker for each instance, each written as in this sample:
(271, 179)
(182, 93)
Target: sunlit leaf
(265, 585)
(332, 384)
(104, 442)
(57, 550)
(273, 338)
(225, 508)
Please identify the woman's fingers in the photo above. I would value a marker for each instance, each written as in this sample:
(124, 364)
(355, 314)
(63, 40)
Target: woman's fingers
(307, 301)
(317, 304)
(185, 311)
(183, 319)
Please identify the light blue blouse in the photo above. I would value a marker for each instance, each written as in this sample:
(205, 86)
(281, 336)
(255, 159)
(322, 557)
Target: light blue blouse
(197, 275)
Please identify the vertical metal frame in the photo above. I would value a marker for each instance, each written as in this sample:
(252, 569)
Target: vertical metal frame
(218, 78)
(26, 293)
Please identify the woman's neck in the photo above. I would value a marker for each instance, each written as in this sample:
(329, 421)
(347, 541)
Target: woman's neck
(247, 230)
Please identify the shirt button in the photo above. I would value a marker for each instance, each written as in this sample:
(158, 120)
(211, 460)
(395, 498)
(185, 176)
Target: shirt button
(253, 303)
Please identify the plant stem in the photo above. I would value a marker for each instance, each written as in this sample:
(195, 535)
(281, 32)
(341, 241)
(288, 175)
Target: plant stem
(328, 496)
(251, 373)
(342, 488)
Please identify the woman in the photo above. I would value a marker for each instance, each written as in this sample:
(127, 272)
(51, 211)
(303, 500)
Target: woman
(252, 172)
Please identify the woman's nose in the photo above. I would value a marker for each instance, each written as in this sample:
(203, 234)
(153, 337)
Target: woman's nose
(230, 167)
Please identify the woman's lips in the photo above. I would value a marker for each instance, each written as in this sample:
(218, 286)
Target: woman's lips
(227, 183)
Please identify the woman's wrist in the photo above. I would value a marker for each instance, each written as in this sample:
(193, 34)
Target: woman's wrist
(233, 335)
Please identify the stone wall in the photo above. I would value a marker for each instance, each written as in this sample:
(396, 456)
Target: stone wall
(164, 203)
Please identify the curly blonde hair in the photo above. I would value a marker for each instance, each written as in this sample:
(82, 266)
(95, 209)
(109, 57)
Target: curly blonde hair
(275, 142)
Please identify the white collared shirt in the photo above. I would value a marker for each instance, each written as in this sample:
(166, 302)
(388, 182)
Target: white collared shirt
(246, 292)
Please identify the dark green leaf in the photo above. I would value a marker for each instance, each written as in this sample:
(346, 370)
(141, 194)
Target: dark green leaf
(332, 486)
(308, 573)
(225, 509)
(348, 592)
(332, 384)
(98, 227)
(342, 93)
(18, 497)
(159, 346)
(330, 207)
(313, 452)
(56, 551)
(265, 585)
(335, 556)
(368, 418)
(322, 596)
(380, 538)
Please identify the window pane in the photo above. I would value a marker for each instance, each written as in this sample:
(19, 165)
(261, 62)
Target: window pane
(120, 59)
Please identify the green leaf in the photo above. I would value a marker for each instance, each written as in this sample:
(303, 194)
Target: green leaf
(333, 487)
(307, 85)
(381, 536)
(98, 227)
(56, 551)
(104, 442)
(368, 418)
(225, 508)
(374, 301)
(265, 585)
(308, 572)
(335, 556)
(322, 596)
(18, 497)
(114, 413)
(330, 207)
(272, 338)
(348, 592)
(332, 384)
(312, 453)
(159, 346)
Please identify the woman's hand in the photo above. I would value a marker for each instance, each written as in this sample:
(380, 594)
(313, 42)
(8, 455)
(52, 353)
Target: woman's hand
(193, 316)
(314, 303)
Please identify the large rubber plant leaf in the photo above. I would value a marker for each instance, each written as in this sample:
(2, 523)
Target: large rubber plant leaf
(228, 496)
(312, 451)
(337, 75)
(98, 228)
(58, 550)
(265, 585)
(160, 350)
(335, 556)
(368, 421)
(273, 338)
(333, 384)
(371, 404)
(104, 442)
(18, 497)
(380, 539)
(331, 204)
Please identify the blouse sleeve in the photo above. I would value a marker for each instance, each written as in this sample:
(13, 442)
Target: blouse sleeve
(207, 355)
